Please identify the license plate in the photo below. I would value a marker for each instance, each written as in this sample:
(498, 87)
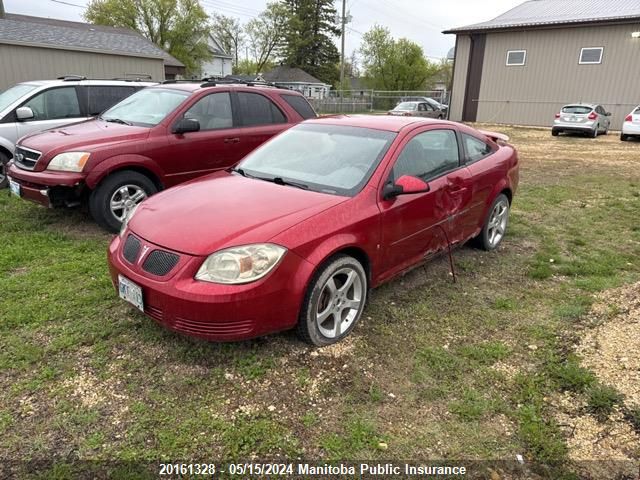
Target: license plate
(130, 292)
(14, 187)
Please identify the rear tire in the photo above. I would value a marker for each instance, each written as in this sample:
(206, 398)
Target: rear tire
(624, 137)
(4, 180)
(334, 302)
(116, 195)
(555, 133)
(495, 225)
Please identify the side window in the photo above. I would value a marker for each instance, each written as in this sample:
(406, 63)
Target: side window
(256, 109)
(101, 98)
(428, 107)
(213, 111)
(54, 104)
(428, 155)
(422, 107)
(476, 149)
(300, 105)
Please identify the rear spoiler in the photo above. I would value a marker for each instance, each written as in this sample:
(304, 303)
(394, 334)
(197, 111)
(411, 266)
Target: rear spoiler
(499, 138)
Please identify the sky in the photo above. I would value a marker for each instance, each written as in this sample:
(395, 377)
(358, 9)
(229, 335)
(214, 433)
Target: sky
(421, 21)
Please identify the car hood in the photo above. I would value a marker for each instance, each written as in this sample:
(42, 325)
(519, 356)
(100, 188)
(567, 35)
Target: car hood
(224, 210)
(84, 135)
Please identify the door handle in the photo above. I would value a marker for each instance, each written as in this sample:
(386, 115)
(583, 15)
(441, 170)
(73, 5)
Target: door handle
(453, 188)
(232, 140)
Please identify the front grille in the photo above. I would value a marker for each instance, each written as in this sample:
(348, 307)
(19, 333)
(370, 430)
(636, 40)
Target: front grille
(160, 262)
(131, 248)
(238, 327)
(25, 158)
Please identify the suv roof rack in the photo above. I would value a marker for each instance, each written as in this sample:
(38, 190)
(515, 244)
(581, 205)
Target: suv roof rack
(72, 78)
(139, 77)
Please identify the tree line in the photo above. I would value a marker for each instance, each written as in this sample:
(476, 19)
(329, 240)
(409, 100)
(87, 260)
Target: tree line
(296, 33)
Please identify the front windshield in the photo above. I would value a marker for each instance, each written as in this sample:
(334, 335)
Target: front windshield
(14, 93)
(326, 158)
(406, 106)
(147, 108)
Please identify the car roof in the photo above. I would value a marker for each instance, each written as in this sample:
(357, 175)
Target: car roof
(389, 123)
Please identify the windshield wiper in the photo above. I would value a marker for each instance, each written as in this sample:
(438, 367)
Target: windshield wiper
(276, 180)
(289, 183)
(116, 120)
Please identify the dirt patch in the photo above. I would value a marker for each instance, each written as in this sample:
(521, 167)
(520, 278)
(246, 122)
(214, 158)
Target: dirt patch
(612, 350)
(609, 449)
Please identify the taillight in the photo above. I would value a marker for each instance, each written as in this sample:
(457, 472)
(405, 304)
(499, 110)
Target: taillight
(557, 115)
(593, 116)
(628, 118)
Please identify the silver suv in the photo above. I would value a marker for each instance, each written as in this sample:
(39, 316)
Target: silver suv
(38, 105)
(588, 118)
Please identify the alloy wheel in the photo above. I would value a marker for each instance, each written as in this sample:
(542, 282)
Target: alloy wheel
(498, 222)
(124, 199)
(339, 302)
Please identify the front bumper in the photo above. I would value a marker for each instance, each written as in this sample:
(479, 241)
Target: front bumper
(213, 311)
(47, 188)
(629, 128)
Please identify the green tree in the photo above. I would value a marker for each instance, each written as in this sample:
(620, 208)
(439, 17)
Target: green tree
(230, 33)
(178, 26)
(391, 64)
(308, 38)
(264, 35)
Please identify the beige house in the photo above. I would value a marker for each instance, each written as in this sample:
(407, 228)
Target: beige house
(523, 65)
(37, 48)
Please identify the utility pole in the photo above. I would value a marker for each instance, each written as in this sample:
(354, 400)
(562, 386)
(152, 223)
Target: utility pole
(344, 23)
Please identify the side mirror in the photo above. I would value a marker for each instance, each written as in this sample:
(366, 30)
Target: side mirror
(186, 125)
(24, 113)
(608, 114)
(404, 185)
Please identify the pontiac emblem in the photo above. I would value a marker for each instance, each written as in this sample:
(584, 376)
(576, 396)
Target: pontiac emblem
(145, 249)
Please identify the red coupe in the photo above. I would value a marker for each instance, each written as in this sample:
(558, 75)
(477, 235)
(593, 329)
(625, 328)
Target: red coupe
(297, 233)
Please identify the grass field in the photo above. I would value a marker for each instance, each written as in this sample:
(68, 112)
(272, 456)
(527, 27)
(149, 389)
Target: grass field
(435, 370)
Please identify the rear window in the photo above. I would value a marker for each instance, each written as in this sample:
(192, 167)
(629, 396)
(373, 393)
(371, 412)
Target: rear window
(300, 105)
(637, 110)
(576, 109)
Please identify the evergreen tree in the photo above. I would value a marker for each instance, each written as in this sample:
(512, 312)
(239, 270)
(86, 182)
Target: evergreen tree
(308, 39)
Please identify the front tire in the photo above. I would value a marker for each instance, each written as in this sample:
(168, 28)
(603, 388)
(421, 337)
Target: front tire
(116, 195)
(495, 225)
(334, 302)
(4, 180)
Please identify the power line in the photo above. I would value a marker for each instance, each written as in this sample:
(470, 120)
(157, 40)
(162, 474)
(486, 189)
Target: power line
(70, 4)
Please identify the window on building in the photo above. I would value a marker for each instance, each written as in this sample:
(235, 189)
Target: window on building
(591, 55)
(516, 57)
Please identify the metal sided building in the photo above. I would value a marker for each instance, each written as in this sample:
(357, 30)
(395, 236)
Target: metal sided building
(36, 48)
(523, 65)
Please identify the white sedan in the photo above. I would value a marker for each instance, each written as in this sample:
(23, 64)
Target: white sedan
(631, 125)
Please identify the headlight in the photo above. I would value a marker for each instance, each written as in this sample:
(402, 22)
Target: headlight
(128, 217)
(69, 161)
(240, 264)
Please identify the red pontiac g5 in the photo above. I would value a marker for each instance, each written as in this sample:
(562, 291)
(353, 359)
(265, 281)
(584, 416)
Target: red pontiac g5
(156, 138)
(304, 226)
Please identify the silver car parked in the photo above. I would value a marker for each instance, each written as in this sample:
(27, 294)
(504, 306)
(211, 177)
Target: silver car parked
(417, 109)
(587, 118)
(38, 105)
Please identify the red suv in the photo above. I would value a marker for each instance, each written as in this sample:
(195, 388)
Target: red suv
(159, 137)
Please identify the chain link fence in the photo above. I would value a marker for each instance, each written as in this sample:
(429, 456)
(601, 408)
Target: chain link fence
(371, 101)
